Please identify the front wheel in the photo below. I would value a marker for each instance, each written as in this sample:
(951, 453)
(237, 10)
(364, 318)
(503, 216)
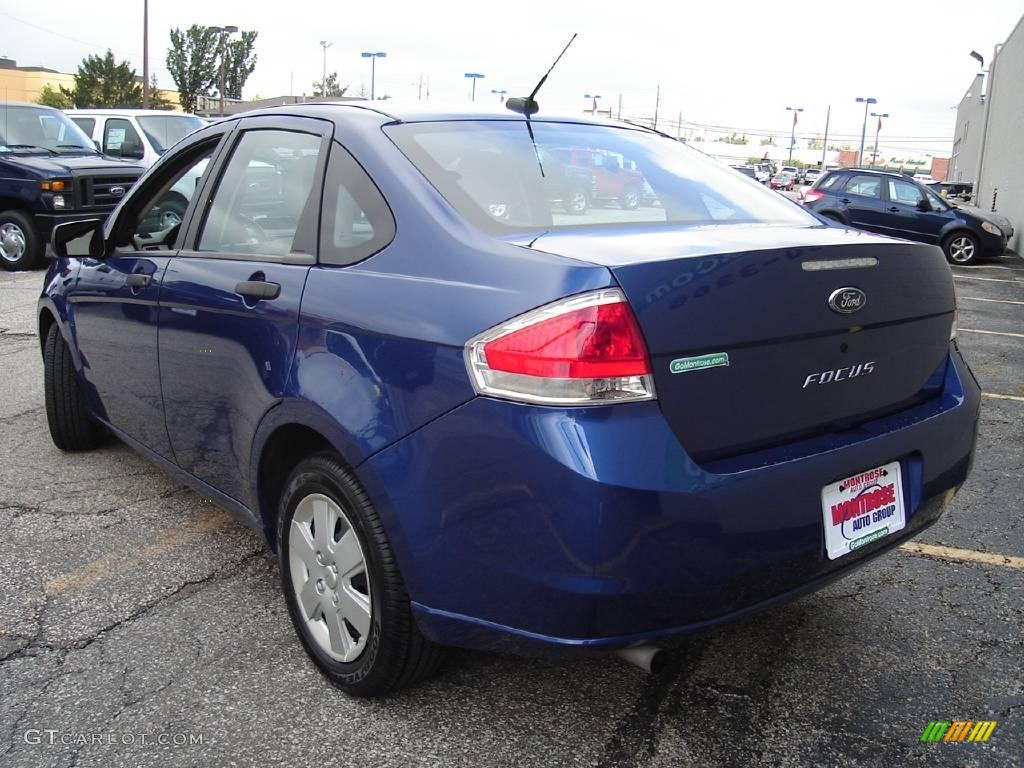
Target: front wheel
(344, 591)
(961, 248)
(630, 199)
(20, 245)
(575, 202)
(71, 429)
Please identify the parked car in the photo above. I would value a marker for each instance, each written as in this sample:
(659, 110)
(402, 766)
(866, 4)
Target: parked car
(50, 173)
(811, 175)
(141, 135)
(792, 170)
(783, 180)
(893, 204)
(764, 172)
(615, 177)
(508, 429)
(746, 170)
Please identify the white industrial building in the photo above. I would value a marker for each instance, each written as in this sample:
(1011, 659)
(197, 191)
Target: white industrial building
(988, 148)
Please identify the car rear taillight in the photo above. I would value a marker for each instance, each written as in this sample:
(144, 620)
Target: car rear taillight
(582, 350)
(811, 196)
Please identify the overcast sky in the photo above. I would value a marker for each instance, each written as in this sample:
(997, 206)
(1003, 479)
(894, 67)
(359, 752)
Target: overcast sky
(726, 62)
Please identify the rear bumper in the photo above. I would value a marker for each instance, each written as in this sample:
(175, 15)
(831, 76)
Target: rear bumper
(547, 527)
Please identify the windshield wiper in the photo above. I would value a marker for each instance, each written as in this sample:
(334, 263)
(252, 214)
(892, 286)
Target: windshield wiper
(78, 147)
(31, 146)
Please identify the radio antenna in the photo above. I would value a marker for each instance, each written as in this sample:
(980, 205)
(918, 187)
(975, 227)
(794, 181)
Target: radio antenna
(527, 105)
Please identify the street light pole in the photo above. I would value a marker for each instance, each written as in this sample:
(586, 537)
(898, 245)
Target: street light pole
(323, 80)
(792, 132)
(878, 129)
(145, 54)
(864, 128)
(501, 93)
(224, 33)
(824, 144)
(373, 56)
(474, 76)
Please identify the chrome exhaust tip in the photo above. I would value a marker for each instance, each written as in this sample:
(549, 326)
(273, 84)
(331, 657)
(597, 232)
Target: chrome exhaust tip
(647, 657)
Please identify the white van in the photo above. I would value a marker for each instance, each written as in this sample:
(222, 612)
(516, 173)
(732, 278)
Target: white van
(141, 135)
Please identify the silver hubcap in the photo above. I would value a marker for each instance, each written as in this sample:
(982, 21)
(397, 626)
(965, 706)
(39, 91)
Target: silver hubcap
(579, 201)
(12, 242)
(961, 249)
(169, 219)
(329, 577)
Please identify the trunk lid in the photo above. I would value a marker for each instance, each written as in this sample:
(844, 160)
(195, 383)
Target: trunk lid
(745, 348)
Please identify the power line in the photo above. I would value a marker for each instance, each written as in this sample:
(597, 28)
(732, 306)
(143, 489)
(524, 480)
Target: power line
(69, 37)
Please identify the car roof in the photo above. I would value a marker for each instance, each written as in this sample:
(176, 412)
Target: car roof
(423, 112)
(132, 112)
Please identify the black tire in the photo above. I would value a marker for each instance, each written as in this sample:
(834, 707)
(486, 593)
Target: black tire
(576, 202)
(71, 429)
(961, 248)
(395, 654)
(630, 199)
(16, 226)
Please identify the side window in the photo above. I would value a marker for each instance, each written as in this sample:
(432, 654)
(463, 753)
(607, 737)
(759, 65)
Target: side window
(356, 221)
(829, 181)
(160, 216)
(904, 192)
(87, 124)
(119, 135)
(262, 194)
(866, 186)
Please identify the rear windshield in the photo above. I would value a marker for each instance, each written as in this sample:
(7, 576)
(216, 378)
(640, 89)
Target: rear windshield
(568, 174)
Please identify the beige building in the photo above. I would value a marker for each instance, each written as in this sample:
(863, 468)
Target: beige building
(26, 83)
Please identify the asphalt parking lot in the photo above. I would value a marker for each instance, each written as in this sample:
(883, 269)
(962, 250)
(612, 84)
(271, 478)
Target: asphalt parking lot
(135, 613)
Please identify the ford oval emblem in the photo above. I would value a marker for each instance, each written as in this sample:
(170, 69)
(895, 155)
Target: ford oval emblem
(847, 300)
(117, 191)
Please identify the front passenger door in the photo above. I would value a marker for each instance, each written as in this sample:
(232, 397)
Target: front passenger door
(230, 298)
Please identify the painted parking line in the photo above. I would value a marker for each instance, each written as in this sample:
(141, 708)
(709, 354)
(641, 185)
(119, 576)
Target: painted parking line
(109, 565)
(991, 333)
(954, 554)
(990, 266)
(988, 279)
(997, 396)
(995, 301)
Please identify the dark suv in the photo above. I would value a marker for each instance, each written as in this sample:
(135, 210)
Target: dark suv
(893, 204)
(50, 173)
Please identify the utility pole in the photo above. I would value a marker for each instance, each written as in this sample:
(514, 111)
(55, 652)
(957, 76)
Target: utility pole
(419, 90)
(619, 116)
(657, 103)
(145, 54)
(679, 126)
(824, 144)
(323, 80)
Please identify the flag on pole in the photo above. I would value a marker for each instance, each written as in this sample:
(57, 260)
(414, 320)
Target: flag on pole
(593, 106)
(794, 118)
(879, 125)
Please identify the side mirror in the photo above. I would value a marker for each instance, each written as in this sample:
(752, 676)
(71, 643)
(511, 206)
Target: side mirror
(923, 205)
(70, 239)
(132, 151)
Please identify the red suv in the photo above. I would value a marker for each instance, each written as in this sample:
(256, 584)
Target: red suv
(615, 177)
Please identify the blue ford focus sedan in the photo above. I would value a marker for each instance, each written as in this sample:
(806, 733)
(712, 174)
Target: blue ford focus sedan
(468, 407)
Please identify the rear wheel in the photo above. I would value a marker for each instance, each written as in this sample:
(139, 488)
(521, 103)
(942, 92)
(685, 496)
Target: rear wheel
(71, 429)
(575, 202)
(20, 246)
(344, 591)
(630, 199)
(961, 248)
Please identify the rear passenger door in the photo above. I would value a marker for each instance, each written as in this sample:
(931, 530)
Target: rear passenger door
(861, 202)
(230, 298)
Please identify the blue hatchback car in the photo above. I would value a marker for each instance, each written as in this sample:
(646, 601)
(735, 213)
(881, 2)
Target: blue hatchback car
(465, 415)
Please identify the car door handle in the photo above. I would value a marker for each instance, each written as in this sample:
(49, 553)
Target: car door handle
(138, 280)
(258, 289)
(845, 201)
(893, 209)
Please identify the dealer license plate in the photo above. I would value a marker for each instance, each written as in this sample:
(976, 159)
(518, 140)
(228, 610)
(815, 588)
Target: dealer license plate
(862, 508)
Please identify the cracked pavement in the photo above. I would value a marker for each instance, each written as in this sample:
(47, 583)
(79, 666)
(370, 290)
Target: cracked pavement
(132, 608)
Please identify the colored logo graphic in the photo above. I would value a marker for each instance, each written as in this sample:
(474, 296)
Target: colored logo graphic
(684, 364)
(958, 730)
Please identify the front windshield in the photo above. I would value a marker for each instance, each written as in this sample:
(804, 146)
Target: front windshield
(575, 174)
(40, 129)
(164, 131)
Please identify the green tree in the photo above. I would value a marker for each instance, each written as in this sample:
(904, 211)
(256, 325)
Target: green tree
(332, 88)
(102, 82)
(192, 61)
(239, 63)
(157, 100)
(55, 97)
